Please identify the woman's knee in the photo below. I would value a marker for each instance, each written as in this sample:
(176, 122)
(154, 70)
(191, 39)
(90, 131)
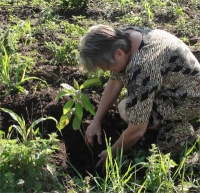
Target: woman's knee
(156, 125)
(122, 111)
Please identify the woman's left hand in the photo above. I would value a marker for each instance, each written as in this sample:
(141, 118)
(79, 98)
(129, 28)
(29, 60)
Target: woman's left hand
(103, 155)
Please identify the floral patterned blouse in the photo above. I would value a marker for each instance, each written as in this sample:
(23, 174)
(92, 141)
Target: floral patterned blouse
(162, 80)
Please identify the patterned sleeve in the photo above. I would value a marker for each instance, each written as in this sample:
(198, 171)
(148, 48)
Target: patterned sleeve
(114, 76)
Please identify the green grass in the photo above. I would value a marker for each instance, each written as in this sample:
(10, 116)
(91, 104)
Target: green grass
(48, 33)
(161, 174)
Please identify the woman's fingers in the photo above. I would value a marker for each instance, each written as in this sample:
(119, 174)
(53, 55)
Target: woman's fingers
(93, 130)
(90, 139)
(99, 138)
(103, 156)
(99, 163)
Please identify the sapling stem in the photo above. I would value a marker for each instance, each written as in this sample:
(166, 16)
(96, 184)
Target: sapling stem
(88, 146)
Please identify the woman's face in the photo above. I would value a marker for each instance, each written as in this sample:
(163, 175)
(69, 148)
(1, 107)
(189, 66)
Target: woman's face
(120, 62)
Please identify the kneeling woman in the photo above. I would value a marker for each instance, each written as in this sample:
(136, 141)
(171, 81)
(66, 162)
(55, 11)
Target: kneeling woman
(162, 78)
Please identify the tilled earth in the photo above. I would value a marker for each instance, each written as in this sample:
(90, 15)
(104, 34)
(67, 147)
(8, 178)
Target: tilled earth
(42, 103)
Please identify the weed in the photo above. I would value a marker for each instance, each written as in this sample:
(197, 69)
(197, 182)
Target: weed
(26, 133)
(51, 23)
(159, 174)
(26, 167)
(131, 19)
(148, 9)
(67, 50)
(117, 179)
(13, 76)
(76, 5)
(119, 175)
(14, 65)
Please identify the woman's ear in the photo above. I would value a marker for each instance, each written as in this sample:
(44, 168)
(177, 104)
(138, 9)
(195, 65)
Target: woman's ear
(119, 53)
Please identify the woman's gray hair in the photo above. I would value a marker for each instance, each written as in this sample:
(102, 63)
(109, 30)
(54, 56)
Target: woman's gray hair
(98, 46)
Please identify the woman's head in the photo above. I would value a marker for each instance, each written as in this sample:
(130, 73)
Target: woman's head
(99, 45)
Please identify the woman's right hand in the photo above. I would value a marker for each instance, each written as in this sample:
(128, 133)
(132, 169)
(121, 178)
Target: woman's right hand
(94, 129)
(110, 94)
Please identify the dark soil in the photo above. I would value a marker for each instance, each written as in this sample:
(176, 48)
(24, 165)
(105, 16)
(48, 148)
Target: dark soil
(41, 102)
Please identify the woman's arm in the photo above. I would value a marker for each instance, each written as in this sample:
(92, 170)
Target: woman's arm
(110, 94)
(127, 139)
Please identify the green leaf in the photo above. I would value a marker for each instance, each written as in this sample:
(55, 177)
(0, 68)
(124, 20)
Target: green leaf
(67, 86)
(90, 82)
(48, 186)
(62, 93)
(2, 133)
(32, 78)
(29, 182)
(87, 104)
(37, 186)
(68, 105)
(79, 110)
(31, 173)
(40, 120)
(21, 131)
(137, 160)
(76, 85)
(19, 120)
(76, 123)
(10, 129)
(20, 88)
(64, 120)
(8, 189)
(36, 131)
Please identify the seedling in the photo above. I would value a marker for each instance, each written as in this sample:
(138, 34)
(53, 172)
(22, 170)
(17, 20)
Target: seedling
(76, 105)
